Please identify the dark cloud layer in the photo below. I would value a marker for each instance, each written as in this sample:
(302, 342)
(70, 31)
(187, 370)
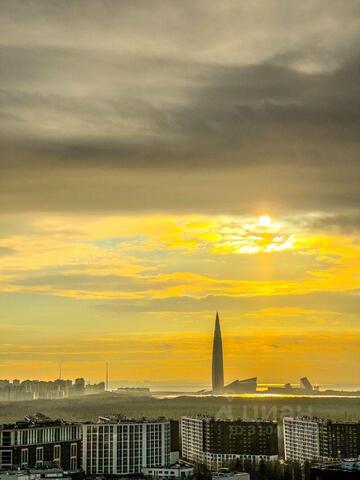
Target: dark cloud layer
(327, 301)
(346, 222)
(6, 251)
(141, 106)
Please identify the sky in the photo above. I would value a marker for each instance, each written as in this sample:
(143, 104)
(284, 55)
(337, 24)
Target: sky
(160, 161)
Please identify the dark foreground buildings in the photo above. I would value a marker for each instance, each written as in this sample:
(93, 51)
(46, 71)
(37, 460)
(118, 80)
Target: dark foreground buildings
(217, 443)
(310, 438)
(347, 469)
(39, 474)
(117, 446)
(39, 441)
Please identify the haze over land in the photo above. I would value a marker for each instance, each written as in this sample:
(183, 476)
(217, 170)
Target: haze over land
(90, 407)
(163, 160)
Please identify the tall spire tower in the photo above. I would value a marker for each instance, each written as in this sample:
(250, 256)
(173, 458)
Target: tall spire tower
(217, 359)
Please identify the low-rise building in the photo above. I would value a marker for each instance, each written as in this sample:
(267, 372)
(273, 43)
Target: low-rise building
(35, 474)
(133, 391)
(176, 472)
(346, 469)
(231, 476)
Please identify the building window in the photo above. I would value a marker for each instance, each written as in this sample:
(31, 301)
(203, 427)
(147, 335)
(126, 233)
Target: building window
(24, 457)
(73, 450)
(24, 440)
(5, 459)
(39, 438)
(39, 456)
(6, 439)
(57, 455)
(73, 456)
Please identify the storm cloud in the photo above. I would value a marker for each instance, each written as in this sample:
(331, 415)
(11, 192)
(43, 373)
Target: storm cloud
(149, 106)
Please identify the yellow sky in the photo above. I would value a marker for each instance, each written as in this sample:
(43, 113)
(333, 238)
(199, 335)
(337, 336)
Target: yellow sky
(141, 291)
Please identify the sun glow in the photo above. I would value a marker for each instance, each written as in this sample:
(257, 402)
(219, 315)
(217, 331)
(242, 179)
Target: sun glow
(264, 221)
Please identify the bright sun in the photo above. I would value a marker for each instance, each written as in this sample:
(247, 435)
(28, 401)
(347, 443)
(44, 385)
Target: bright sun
(264, 221)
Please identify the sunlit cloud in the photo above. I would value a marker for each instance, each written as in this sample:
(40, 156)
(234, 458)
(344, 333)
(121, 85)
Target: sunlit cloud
(261, 235)
(120, 257)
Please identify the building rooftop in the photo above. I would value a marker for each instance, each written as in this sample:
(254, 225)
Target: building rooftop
(120, 418)
(230, 420)
(344, 465)
(175, 466)
(36, 420)
(230, 475)
(305, 418)
(34, 474)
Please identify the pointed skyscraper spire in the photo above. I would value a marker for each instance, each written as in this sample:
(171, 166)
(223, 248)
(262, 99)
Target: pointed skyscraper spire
(217, 359)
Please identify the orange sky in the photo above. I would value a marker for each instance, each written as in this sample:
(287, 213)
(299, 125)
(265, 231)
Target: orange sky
(140, 293)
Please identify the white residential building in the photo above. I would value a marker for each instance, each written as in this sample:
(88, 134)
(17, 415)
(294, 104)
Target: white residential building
(301, 439)
(312, 438)
(117, 446)
(192, 439)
